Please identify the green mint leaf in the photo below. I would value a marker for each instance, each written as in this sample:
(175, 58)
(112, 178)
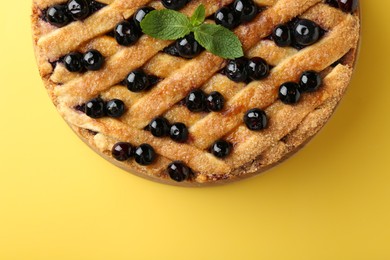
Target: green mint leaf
(219, 41)
(198, 16)
(166, 24)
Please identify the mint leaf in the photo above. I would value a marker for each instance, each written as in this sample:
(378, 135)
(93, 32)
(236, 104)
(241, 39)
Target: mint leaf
(166, 24)
(171, 25)
(219, 41)
(198, 16)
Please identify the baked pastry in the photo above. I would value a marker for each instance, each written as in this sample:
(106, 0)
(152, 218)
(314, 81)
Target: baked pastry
(173, 112)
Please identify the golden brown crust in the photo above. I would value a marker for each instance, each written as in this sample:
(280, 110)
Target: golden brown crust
(290, 126)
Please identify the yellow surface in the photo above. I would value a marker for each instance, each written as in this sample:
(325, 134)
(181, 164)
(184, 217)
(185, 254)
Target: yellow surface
(59, 200)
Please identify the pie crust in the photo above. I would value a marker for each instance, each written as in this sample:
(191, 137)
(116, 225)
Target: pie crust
(290, 126)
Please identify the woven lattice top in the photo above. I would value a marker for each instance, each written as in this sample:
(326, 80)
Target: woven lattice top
(288, 128)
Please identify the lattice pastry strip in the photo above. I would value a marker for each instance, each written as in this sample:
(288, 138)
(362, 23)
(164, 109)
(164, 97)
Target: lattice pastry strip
(273, 54)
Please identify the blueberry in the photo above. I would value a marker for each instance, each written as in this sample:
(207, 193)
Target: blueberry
(174, 4)
(115, 108)
(236, 70)
(58, 15)
(137, 81)
(74, 62)
(126, 33)
(282, 35)
(257, 68)
(195, 101)
(289, 93)
(159, 127)
(306, 32)
(178, 171)
(188, 47)
(78, 9)
(221, 148)
(140, 15)
(227, 17)
(310, 81)
(215, 101)
(122, 151)
(179, 132)
(95, 108)
(246, 9)
(348, 6)
(144, 154)
(171, 50)
(332, 3)
(95, 6)
(93, 60)
(255, 119)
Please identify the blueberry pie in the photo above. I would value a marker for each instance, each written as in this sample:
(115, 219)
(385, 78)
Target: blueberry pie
(173, 110)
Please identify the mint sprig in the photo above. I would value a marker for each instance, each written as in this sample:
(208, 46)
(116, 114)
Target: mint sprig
(166, 24)
(171, 25)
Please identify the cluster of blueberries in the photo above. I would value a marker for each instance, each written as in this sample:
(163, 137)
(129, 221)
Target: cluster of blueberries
(198, 101)
(160, 127)
(77, 62)
(243, 69)
(302, 32)
(290, 92)
(62, 14)
(186, 47)
(241, 11)
(98, 108)
(298, 33)
(129, 31)
(145, 155)
(348, 6)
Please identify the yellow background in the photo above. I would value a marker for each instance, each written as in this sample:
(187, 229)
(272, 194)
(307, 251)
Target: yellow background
(59, 200)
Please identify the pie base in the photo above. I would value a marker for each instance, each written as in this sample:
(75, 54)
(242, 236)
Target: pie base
(275, 154)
